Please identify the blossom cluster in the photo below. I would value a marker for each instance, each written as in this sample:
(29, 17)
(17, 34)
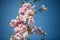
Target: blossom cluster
(24, 22)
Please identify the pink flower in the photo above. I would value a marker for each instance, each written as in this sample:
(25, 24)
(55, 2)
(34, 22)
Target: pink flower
(16, 29)
(28, 5)
(21, 12)
(13, 22)
(27, 12)
(17, 36)
(25, 8)
(31, 21)
(25, 34)
(22, 29)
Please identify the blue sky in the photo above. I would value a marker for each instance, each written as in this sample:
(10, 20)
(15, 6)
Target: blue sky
(49, 21)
